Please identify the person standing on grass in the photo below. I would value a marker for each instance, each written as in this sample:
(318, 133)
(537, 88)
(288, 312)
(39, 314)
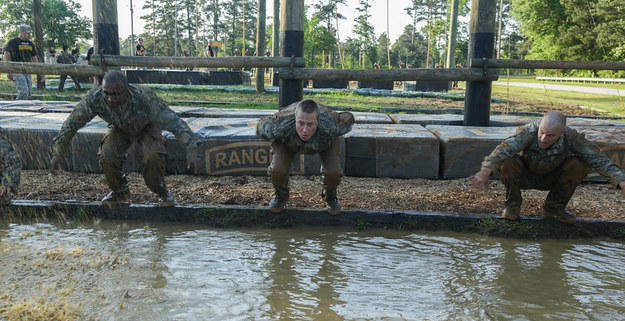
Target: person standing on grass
(66, 58)
(309, 128)
(546, 155)
(21, 49)
(134, 115)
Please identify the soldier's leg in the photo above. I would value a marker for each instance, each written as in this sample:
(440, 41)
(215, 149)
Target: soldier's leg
(331, 175)
(513, 174)
(29, 85)
(112, 154)
(76, 82)
(566, 179)
(62, 82)
(22, 86)
(154, 159)
(281, 160)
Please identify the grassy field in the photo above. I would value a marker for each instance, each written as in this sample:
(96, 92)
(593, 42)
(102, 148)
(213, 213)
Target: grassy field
(508, 98)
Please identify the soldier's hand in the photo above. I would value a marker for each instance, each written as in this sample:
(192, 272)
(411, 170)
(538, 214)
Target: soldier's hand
(480, 179)
(55, 164)
(621, 185)
(194, 164)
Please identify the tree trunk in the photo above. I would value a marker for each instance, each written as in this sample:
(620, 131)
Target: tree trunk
(260, 43)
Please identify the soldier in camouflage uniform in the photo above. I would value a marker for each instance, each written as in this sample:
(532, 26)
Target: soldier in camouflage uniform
(546, 155)
(10, 167)
(134, 114)
(309, 128)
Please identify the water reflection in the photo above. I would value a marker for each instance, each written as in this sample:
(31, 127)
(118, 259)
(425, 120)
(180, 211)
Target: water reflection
(164, 272)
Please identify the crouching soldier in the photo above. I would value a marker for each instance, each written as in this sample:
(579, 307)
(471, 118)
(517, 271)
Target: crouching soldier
(10, 167)
(133, 114)
(309, 128)
(546, 155)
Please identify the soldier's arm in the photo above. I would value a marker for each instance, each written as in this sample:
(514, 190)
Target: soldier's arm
(590, 153)
(10, 167)
(509, 147)
(169, 121)
(82, 114)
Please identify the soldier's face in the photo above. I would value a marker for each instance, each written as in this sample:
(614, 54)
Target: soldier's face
(115, 94)
(305, 125)
(547, 136)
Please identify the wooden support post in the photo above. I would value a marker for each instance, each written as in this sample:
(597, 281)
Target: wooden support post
(275, 44)
(39, 39)
(105, 28)
(481, 45)
(291, 45)
(260, 44)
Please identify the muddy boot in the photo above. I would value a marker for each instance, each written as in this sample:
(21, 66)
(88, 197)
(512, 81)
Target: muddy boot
(563, 216)
(117, 198)
(329, 196)
(511, 213)
(166, 199)
(279, 200)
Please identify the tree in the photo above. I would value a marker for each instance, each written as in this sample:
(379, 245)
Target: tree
(317, 39)
(65, 27)
(383, 43)
(432, 12)
(411, 52)
(365, 32)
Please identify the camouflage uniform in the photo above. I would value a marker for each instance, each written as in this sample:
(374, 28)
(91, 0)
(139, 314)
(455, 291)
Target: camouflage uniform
(10, 167)
(558, 169)
(279, 129)
(140, 119)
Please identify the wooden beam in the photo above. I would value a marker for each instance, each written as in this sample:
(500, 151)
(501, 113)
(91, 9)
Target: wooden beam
(401, 74)
(49, 69)
(182, 62)
(548, 64)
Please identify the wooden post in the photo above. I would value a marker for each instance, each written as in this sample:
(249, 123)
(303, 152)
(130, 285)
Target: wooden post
(39, 39)
(275, 44)
(260, 44)
(481, 45)
(453, 28)
(105, 28)
(291, 45)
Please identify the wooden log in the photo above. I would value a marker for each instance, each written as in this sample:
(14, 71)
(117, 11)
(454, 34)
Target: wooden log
(402, 74)
(182, 62)
(49, 69)
(548, 64)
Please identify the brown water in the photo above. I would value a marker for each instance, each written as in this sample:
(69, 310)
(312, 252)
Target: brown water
(133, 271)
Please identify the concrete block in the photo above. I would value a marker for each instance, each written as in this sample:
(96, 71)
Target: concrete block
(371, 118)
(376, 84)
(462, 148)
(428, 119)
(219, 77)
(427, 85)
(611, 142)
(144, 76)
(404, 151)
(316, 83)
(34, 146)
(223, 112)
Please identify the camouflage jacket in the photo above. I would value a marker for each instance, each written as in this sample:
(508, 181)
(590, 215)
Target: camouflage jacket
(10, 166)
(142, 108)
(543, 161)
(281, 127)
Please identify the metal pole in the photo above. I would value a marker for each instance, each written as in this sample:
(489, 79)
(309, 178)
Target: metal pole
(291, 45)
(481, 45)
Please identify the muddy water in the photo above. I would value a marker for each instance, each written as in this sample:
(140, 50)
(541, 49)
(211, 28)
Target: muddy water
(133, 271)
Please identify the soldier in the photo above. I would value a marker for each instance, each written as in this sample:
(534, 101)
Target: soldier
(10, 167)
(134, 114)
(309, 128)
(21, 49)
(546, 155)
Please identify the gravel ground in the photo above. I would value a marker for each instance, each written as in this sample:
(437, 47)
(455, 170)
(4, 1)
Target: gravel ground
(451, 196)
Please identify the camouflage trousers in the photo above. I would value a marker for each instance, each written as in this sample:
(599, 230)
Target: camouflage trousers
(114, 150)
(62, 82)
(282, 157)
(24, 86)
(561, 182)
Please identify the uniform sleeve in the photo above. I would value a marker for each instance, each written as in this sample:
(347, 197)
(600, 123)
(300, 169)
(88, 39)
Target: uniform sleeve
(509, 147)
(169, 121)
(589, 152)
(10, 167)
(82, 114)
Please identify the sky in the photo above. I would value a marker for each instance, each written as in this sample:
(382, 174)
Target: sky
(398, 17)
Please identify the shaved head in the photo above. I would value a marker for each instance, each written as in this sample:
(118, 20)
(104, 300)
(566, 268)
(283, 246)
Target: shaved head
(551, 128)
(554, 120)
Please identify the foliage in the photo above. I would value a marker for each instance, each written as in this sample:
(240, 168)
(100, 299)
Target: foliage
(61, 24)
(318, 39)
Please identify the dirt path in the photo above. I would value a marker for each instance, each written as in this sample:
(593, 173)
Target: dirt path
(451, 196)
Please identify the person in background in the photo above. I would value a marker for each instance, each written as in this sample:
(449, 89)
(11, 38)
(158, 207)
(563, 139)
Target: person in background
(65, 58)
(21, 49)
(140, 48)
(546, 155)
